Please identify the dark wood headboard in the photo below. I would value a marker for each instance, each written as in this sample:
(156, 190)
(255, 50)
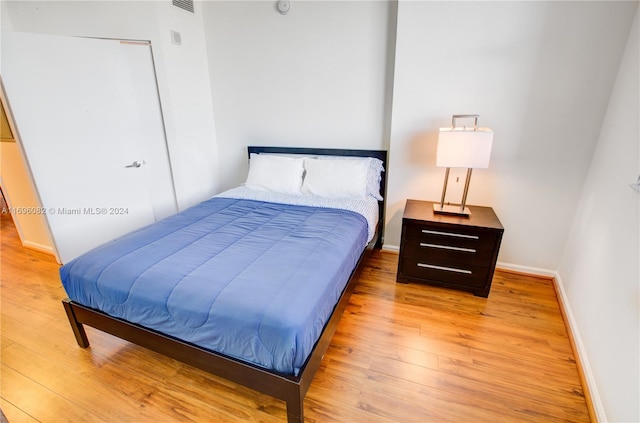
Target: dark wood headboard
(378, 154)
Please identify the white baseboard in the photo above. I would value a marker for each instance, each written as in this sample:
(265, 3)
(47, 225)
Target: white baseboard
(589, 378)
(525, 269)
(39, 247)
(394, 248)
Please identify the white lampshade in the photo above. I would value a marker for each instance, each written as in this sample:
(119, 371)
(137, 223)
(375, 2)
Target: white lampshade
(462, 147)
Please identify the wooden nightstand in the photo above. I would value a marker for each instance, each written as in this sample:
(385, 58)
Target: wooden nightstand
(449, 251)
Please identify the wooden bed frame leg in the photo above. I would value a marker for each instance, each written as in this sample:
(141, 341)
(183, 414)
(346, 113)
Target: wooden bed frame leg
(295, 407)
(78, 329)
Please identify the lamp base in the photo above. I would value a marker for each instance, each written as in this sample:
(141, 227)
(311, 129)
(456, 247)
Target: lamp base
(451, 210)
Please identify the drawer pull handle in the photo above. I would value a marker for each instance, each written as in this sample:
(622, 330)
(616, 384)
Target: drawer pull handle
(426, 231)
(448, 247)
(447, 269)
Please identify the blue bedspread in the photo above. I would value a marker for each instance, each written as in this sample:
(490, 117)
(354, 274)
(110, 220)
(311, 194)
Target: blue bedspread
(249, 279)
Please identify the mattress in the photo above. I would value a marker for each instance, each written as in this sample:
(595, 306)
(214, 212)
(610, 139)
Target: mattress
(250, 279)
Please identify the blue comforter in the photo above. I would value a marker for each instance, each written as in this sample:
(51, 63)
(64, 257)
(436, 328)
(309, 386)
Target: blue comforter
(253, 280)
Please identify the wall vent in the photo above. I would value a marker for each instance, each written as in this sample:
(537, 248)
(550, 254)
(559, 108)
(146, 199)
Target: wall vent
(184, 5)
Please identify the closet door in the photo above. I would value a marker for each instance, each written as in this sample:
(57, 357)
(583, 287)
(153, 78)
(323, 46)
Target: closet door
(89, 122)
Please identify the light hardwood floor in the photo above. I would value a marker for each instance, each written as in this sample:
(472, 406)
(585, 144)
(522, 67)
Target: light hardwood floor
(402, 353)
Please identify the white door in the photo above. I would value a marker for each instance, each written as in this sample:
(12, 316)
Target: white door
(89, 121)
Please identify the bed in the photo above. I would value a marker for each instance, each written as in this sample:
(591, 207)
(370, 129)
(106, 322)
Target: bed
(249, 285)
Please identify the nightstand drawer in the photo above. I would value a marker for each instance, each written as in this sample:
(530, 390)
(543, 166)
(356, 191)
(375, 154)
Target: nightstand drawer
(454, 246)
(458, 274)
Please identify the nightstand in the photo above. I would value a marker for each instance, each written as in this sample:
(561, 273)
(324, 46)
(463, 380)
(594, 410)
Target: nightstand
(450, 251)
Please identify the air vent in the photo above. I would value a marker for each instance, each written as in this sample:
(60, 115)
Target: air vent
(184, 5)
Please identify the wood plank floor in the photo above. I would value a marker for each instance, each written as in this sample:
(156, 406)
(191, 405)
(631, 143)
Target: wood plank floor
(402, 353)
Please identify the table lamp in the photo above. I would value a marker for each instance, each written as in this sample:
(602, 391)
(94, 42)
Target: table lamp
(466, 148)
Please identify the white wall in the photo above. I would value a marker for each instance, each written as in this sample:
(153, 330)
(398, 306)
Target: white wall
(16, 185)
(600, 268)
(18, 190)
(182, 72)
(315, 77)
(539, 74)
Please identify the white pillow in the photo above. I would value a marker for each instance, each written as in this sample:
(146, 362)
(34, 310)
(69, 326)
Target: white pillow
(374, 176)
(335, 178)
(275, 173)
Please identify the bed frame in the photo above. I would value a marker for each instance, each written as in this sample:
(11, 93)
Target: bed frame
(291, 389)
